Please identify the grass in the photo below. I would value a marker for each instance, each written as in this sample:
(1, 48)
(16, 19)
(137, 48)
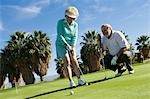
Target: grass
(135, 86)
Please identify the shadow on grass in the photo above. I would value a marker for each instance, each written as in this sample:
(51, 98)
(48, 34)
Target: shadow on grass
(88, 83)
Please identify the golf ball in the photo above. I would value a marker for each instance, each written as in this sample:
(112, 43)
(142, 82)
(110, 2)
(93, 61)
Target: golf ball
(71, 92)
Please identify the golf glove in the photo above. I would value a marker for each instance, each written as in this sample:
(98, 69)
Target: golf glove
(114, 60)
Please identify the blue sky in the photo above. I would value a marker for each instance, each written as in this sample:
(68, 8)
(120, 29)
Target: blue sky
(130, 16)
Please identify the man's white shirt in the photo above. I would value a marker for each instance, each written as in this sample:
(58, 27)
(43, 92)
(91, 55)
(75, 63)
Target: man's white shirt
(115, 42)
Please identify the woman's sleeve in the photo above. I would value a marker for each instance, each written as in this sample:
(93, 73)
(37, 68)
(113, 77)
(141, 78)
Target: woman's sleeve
(75, 37)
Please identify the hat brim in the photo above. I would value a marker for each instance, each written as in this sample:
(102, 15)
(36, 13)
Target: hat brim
(71, 16)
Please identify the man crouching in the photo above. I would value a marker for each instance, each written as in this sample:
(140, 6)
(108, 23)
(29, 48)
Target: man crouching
(119, 53)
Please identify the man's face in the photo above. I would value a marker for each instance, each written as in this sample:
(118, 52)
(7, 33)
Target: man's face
(106, 31)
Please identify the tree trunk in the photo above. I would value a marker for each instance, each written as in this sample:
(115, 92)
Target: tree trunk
(63, 74)
(27, 74)
(2, 81)
(94, 64)
(41, 78)
(43, 68)
(146, 52)
(14, 77)
(40, 66)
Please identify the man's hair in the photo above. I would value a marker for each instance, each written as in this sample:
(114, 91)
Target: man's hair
(106, 25)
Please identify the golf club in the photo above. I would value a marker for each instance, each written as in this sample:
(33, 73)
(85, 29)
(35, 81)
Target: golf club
(104, 68)
(101, 53)
(16, 85)
(70, 52)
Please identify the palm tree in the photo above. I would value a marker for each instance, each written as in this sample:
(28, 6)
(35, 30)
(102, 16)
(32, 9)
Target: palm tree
(60, 67)
(25, 54)
(143, 45)
(18, 58)
(40, 53)
(90, 53)
(83, 67)
(14, 59)
(127, 38)
(5, 66)
(2, 73)
(142, 41)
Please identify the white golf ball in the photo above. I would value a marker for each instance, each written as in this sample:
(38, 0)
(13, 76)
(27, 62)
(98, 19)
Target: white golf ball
(86, 84)
(71, 92)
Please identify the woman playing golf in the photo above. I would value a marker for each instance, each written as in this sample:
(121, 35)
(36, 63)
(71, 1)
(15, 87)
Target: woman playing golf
(67, 31)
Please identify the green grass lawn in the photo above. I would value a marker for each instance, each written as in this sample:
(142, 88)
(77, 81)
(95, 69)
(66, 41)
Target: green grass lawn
(134, 86)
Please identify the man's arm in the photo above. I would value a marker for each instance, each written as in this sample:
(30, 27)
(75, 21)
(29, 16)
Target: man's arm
(114, 59)
(121, 51)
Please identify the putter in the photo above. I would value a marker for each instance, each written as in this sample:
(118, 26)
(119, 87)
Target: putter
(101, 51)
(16, 85)
(104, 68)
(70, 52)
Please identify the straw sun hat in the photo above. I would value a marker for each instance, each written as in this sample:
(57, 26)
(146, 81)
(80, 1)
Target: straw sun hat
(72, 12)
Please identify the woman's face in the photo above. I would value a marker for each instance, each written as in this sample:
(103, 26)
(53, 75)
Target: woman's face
(106, 31)
(69, 19)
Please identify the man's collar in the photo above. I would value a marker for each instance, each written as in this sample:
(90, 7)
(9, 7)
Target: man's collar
(110, 34)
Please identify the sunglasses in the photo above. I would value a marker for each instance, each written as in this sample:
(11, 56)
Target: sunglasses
(71, 18)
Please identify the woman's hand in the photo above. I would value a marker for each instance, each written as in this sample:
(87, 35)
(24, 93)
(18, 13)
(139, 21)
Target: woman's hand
(73, 50)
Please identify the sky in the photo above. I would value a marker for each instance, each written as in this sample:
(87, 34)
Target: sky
(130, 16)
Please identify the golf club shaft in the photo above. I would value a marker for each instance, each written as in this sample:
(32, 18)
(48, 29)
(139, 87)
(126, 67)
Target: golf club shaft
(101, 51)
(104, 68)
(82, 74)
(16, 87)
(70, 54)
(67, 45)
